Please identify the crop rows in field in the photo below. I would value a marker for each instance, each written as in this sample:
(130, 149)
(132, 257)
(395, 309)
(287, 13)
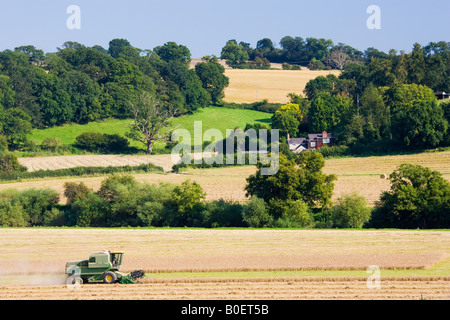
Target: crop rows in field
(246, 289)
(32, 263)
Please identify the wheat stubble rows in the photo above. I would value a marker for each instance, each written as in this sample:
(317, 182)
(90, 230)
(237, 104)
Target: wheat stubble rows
(32, 263)
(245, 289)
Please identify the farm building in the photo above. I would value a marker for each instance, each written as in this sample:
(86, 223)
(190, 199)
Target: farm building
(313, 141)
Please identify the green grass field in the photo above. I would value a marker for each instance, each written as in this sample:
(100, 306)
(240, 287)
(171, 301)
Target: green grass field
(212, 118)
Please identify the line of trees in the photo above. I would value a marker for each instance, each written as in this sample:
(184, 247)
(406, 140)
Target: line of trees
(427, 65)
(79, 84)
(387, 104)
(298, 196)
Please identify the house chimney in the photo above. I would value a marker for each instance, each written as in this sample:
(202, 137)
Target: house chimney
(288, 137)
(324, 134)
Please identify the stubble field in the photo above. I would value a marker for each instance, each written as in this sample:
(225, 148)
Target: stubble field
(231, 264)
(360, 174)
(247, 86)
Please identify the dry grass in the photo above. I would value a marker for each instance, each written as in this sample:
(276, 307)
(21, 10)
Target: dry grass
(287, 289)
(360, 174)
(176, 250)
(247, 86)
(32, 263)
(65, 162)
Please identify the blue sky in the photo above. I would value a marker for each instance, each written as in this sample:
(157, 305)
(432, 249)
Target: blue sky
(204, 26)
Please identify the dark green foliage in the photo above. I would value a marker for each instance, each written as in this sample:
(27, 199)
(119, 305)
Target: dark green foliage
(263, 106)
(32, 207)
(211, 74)
(116, 47)
(294, 214)
(223, 213)
(256, 214)
(171, 51)
(104, 143)
(446, 109)
(418, 198)
(315, 64)
(88, 211)
(21, 173)
(74, 191)
(82, 84)
(234, 53)
(327, 111)
(15, 125)
(287, 122)
(38, 204)
(9, 164)
(195, 94)
(298, 179)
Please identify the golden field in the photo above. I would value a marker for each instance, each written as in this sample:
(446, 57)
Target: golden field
(361, 174)
(247, 86)
(231, 264)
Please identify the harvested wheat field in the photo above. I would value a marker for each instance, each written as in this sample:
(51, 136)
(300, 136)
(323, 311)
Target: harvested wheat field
(231, 264)
(247, 86)
(248, 289)
(65, 162)
(360, 174)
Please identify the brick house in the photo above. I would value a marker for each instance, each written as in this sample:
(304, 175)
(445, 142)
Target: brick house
(313, 141)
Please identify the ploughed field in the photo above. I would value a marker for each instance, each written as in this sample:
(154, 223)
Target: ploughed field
(231, 264)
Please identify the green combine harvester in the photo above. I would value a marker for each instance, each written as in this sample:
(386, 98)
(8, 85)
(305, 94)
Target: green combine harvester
(101, 267)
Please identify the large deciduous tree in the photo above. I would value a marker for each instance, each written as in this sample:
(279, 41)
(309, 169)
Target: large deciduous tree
(151, 119)
(298, 179)
(212, 75)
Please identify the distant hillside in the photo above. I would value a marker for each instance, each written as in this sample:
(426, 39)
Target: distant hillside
(251, 85)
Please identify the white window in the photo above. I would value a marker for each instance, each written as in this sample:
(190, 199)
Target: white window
(326, 140)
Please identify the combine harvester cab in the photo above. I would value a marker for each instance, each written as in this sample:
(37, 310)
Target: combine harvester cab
(101, 267)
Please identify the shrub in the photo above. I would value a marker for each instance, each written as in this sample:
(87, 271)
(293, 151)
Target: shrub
(74, 191)
(32, 207)
(90, 211)
(222, 213)
(51, 144)
(90, 141)
(12, 215)
(296, 215)
(351, 211)
(256, 214)
(37, 203)
(186, 201)
(105, 143)
(3, 143)
(315, 64)
(115, 143)
(149, 213)
(287, 66)
(334, 151)
(9, 163)
(53, 218)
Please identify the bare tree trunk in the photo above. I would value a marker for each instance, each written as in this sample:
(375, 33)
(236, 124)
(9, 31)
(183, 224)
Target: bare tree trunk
(149, 147)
